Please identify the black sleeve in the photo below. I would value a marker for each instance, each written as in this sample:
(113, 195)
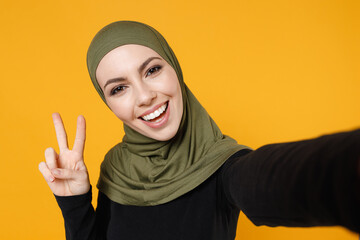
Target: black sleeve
(313, 182)
(81, 221)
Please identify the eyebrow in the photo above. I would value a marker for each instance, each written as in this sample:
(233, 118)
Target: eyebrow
(140, 69)
(144, 64)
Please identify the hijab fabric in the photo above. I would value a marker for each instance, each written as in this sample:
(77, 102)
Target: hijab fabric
(142, 171)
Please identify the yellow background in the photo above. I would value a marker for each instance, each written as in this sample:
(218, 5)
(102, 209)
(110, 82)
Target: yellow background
(266, 71)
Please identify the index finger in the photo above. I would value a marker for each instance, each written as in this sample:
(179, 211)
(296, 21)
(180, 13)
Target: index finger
(60, 131)
(80, 135)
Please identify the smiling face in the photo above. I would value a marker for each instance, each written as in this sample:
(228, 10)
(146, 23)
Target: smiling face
(142, 90)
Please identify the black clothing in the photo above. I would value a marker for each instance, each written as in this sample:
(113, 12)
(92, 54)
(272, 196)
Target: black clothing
(307, 183)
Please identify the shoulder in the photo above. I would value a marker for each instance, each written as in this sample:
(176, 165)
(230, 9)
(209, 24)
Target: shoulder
(234, 158)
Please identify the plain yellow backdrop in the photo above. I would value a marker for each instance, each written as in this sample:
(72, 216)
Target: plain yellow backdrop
(266, 71)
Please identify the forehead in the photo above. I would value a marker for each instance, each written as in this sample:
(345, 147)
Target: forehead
(123, 58)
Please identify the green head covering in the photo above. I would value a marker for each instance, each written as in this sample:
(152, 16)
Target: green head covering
(142, 171)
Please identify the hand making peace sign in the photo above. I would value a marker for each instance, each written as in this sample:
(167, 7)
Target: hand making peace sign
(66, 173)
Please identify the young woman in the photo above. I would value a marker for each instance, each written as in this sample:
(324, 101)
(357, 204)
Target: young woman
(175, 175)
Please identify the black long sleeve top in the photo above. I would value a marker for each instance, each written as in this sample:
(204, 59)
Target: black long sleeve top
(306, 183)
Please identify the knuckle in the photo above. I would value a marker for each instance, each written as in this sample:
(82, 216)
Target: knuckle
(57, 172)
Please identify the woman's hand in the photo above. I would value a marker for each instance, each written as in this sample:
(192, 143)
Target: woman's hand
(66, 173)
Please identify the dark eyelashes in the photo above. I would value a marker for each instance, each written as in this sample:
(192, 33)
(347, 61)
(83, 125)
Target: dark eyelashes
(117, 89)
(149, 72)
(153, 70)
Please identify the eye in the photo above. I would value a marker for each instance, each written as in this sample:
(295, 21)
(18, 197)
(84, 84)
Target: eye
(117, 89)
(153, 70)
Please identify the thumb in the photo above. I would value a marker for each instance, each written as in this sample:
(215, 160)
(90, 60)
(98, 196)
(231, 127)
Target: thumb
(62, 173)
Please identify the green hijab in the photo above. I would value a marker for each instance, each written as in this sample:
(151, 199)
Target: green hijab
(142, 171)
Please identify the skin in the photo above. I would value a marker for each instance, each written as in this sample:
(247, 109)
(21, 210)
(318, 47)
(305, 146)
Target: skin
(137, 93)
(65, 172)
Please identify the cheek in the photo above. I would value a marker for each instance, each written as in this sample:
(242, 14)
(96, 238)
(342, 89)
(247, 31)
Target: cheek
(123, 109)
(172, 88)
(170, 85)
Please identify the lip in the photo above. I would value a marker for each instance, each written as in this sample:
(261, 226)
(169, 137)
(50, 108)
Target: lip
(162, 122)
(152, 109)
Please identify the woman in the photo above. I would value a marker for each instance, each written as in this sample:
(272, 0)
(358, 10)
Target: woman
(175, 175)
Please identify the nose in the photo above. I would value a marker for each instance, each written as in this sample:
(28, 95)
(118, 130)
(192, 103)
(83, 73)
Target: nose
(144, 95)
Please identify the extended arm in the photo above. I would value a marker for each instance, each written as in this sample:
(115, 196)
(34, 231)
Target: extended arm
(307, 183)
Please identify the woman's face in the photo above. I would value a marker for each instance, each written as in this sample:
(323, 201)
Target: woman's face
(142, 89)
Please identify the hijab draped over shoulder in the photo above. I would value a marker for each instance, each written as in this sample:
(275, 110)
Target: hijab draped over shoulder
(142, 171)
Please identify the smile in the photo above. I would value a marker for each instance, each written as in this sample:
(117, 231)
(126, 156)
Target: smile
(158, 118)
(154, 116)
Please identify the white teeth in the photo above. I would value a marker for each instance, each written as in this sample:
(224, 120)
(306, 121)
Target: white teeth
(156, 113)
(158, 120)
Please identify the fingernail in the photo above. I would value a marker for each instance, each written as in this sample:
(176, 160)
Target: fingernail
(56, 171)
(51, 178)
